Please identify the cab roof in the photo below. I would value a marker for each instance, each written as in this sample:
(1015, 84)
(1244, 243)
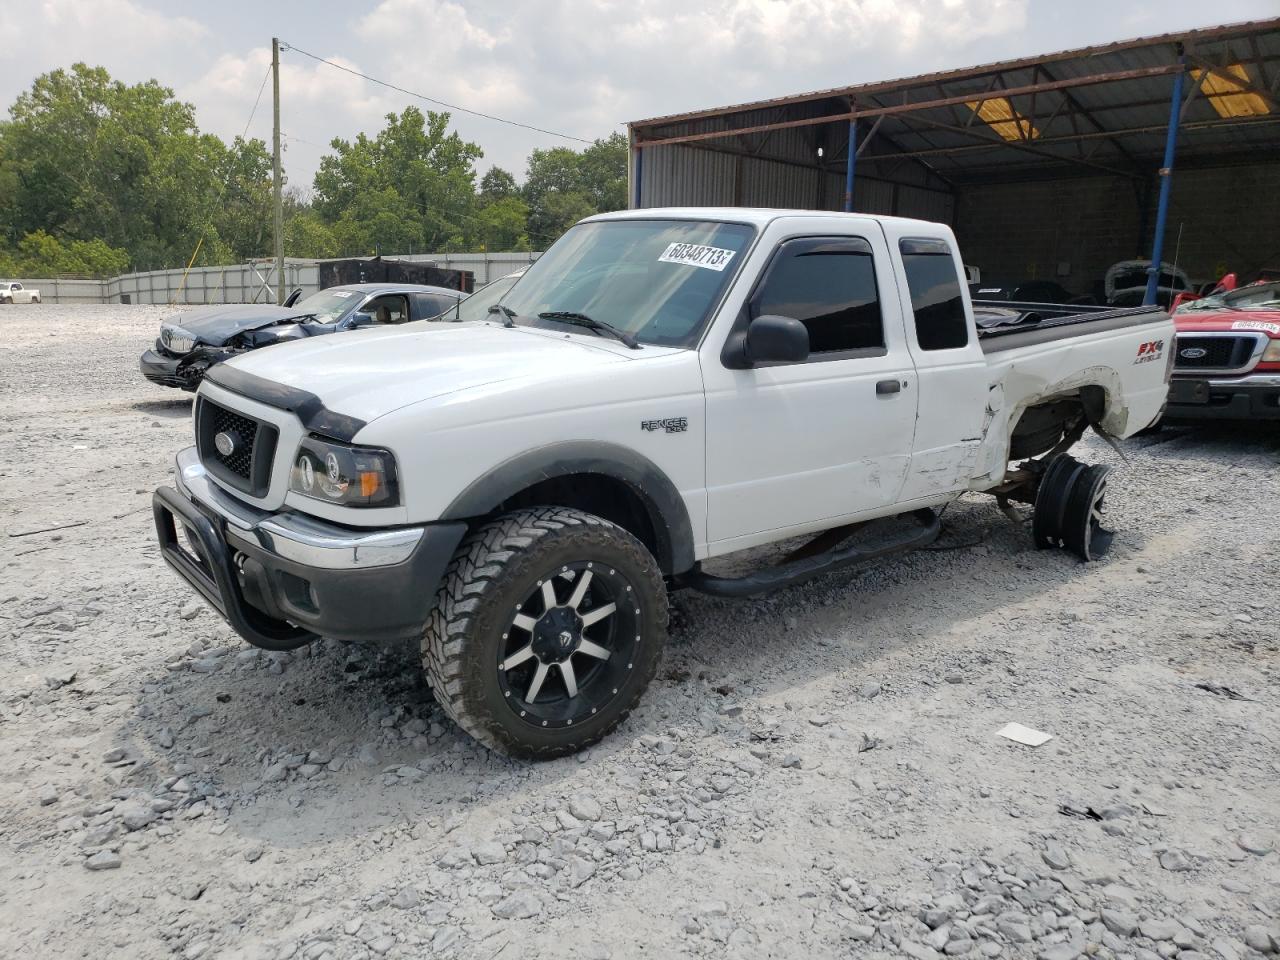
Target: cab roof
(756, 216)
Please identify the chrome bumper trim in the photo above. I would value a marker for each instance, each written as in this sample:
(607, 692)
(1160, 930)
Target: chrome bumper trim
(295, 536)
(1253, 380)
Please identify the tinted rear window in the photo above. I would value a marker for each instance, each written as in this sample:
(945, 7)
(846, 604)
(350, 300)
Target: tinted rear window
(935, 294)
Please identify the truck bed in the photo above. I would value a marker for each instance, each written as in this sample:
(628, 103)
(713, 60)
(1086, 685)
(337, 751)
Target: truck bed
(1004, 325)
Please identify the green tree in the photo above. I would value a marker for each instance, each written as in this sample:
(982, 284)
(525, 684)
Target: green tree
(241, 218)
(412, 187)
(504, 224)
(564, 185)
(496, 185)
(85, 157)
(40, 254)
(306, 235)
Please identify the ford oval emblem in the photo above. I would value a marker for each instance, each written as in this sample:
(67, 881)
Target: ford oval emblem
(226, 443)
(1192, 353)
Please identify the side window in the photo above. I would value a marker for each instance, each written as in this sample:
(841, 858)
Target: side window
(390, 309)
(829, 285)
(935, 294)
(17, 286)
(435, 304)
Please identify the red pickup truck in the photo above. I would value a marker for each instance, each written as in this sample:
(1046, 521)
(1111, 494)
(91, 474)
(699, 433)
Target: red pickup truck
(1226, 358)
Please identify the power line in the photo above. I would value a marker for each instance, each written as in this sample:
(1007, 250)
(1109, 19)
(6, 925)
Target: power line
(256, 101)
(439, 103)
(290, 136)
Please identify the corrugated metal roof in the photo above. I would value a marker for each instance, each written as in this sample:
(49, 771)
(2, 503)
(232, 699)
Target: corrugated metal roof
(1104, 107)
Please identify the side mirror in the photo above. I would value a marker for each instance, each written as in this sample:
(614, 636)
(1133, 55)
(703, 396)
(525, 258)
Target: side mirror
(775, 339)
(356, 320)
(293, 297)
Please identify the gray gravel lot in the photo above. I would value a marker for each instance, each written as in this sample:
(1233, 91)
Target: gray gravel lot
(814, 774)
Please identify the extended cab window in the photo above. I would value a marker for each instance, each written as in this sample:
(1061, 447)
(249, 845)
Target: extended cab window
(935, 294)
(829, 285)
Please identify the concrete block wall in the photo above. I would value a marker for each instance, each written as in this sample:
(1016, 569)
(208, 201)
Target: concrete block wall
(1035, 230)
(1229, 218)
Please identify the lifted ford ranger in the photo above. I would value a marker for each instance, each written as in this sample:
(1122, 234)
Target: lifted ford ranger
(663, 387)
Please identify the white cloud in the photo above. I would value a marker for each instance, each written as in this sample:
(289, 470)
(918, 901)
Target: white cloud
(317, 100)
(129, 39)
(584, 67)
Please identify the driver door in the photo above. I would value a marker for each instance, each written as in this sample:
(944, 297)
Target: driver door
(794, 447)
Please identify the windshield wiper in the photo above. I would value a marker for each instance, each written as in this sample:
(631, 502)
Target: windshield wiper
(508, 315)
(582, 320)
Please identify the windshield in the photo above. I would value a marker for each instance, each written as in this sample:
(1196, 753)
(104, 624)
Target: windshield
(328, 305)
(1258, 296)
(476, 306)
(655, 279)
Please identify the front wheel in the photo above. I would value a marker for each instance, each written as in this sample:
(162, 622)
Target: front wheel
(547, 628)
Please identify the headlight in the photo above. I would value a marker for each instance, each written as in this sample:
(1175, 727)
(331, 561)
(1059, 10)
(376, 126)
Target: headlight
(1272, 353)
(176, 340)
(348, 476)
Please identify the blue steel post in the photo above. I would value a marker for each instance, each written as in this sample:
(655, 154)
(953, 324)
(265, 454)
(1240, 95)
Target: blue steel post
(850, 163)
(639, 173)
(1166, 184)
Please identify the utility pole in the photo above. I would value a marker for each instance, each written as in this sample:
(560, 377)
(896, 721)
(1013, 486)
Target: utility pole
(277, 198)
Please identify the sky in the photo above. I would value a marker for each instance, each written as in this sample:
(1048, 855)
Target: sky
(581, 68)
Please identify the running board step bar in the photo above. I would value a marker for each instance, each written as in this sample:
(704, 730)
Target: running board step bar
(797, 571)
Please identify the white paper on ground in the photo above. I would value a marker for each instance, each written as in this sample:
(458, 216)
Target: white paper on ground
(1020, 734)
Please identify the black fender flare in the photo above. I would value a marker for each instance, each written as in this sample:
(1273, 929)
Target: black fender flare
(662, 501)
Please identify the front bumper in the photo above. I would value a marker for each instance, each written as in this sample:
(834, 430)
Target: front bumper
(163, 370)
(1253, 397)
(283, 579)
(184, 372)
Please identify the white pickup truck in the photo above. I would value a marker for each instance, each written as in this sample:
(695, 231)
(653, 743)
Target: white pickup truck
(663, 387)
(11, 291)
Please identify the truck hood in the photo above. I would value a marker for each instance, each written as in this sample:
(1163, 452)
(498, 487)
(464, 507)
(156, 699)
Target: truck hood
(217, 324)
(369, 373)
(1229, 321)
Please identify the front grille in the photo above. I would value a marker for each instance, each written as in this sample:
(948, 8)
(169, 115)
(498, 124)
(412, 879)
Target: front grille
(175, 342)
(245, 434)
(247, 466)
(1212, 353)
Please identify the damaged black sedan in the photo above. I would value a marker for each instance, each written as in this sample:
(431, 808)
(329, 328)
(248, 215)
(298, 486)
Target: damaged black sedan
(192, 342)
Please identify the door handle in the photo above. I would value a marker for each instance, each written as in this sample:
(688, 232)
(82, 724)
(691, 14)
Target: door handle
(886, 387)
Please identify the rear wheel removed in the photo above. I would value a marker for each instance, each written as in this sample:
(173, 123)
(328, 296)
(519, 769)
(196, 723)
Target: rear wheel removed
(1069, 508)
(547, 628)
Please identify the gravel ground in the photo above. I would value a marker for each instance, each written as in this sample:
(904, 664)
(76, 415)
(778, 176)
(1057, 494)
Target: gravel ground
(815, 774)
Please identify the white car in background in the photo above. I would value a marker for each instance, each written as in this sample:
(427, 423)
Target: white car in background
(13, 292)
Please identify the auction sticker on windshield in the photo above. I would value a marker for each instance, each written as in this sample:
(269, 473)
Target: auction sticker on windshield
(1263, 325)
(696, 255)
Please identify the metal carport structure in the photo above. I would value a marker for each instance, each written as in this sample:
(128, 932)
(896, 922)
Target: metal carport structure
(1116, 114)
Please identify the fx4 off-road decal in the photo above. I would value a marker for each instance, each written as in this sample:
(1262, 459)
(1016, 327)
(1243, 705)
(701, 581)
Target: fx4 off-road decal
(670, 424)
(1150, 351)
